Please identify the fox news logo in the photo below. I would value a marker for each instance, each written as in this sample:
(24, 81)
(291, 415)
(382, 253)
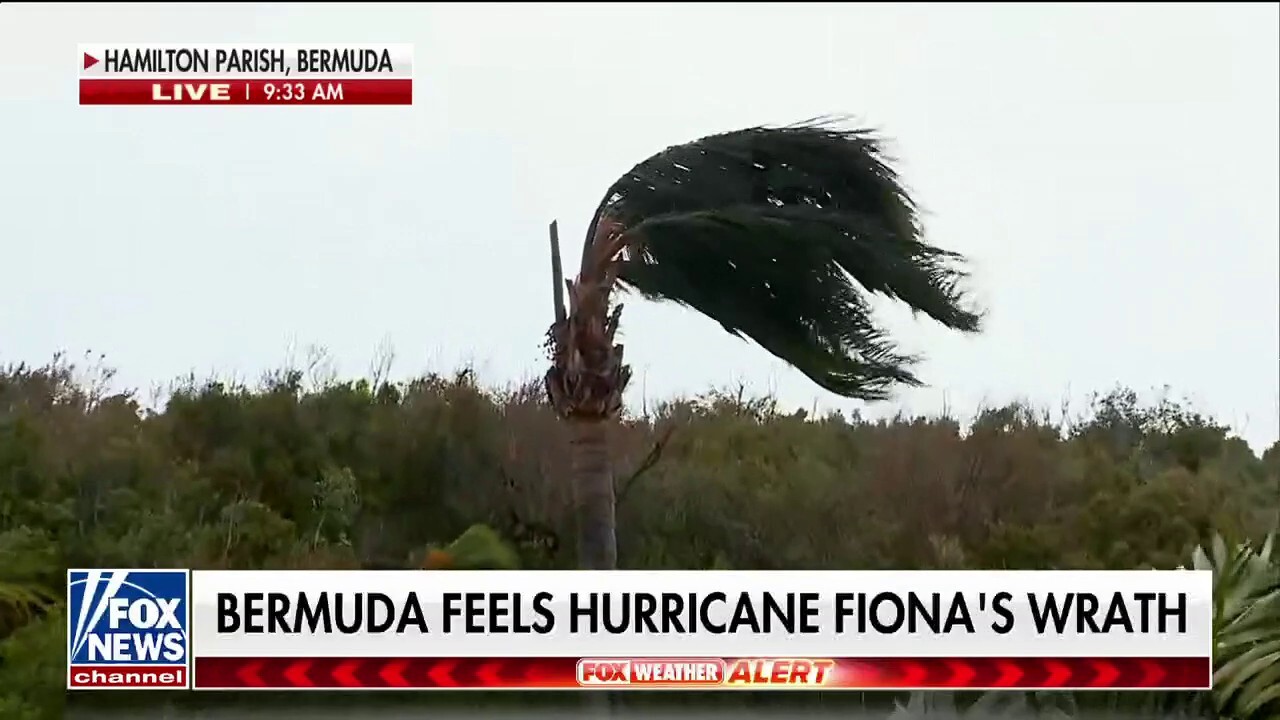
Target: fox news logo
(127, 629)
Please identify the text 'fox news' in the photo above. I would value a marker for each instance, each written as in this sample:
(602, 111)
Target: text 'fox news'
(725, 630)
(128, 629)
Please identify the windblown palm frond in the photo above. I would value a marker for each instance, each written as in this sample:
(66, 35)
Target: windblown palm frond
(778, 234)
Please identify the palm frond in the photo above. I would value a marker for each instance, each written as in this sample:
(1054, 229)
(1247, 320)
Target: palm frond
(779, 234)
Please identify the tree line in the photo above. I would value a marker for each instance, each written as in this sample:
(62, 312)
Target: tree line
(296, 473)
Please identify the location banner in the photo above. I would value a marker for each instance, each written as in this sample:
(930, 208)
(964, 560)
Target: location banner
(245, 74)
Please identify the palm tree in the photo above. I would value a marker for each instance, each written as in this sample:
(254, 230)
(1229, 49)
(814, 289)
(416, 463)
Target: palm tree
(778, 234)
(1246, 627)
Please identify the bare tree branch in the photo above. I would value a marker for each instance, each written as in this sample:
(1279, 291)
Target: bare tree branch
(655, 454)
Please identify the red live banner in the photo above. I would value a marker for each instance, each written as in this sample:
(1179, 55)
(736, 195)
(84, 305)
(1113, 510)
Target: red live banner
(230, 91)
(562, 673)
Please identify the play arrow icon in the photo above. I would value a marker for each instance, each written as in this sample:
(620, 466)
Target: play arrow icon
(89, 61)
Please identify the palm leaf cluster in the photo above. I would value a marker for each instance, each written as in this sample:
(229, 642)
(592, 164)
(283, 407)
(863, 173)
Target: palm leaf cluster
(780, 235)
(1246, 653)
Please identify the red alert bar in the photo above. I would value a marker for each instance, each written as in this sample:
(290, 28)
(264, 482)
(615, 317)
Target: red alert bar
(226, 91)
(563, 673)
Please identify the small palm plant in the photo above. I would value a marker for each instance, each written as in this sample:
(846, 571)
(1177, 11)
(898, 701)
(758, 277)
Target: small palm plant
(1246, 627)
(1246, 654)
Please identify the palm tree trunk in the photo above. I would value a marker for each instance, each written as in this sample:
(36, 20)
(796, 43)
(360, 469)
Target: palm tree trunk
(584, 385)
(593, 494)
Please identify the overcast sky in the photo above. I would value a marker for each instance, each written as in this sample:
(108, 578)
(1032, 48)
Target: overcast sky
(1111, 170)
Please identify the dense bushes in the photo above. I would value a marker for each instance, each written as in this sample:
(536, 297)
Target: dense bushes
(302, 474)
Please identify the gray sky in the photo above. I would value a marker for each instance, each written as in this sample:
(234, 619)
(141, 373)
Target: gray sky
(1111, 170)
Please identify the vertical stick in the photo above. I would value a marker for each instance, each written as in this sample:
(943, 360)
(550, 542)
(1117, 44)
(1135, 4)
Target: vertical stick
(557, 273)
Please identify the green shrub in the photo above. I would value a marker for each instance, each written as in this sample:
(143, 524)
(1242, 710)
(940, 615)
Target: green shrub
(316, 474)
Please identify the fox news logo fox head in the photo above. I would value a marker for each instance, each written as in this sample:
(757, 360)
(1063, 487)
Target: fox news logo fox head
(127, 617)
